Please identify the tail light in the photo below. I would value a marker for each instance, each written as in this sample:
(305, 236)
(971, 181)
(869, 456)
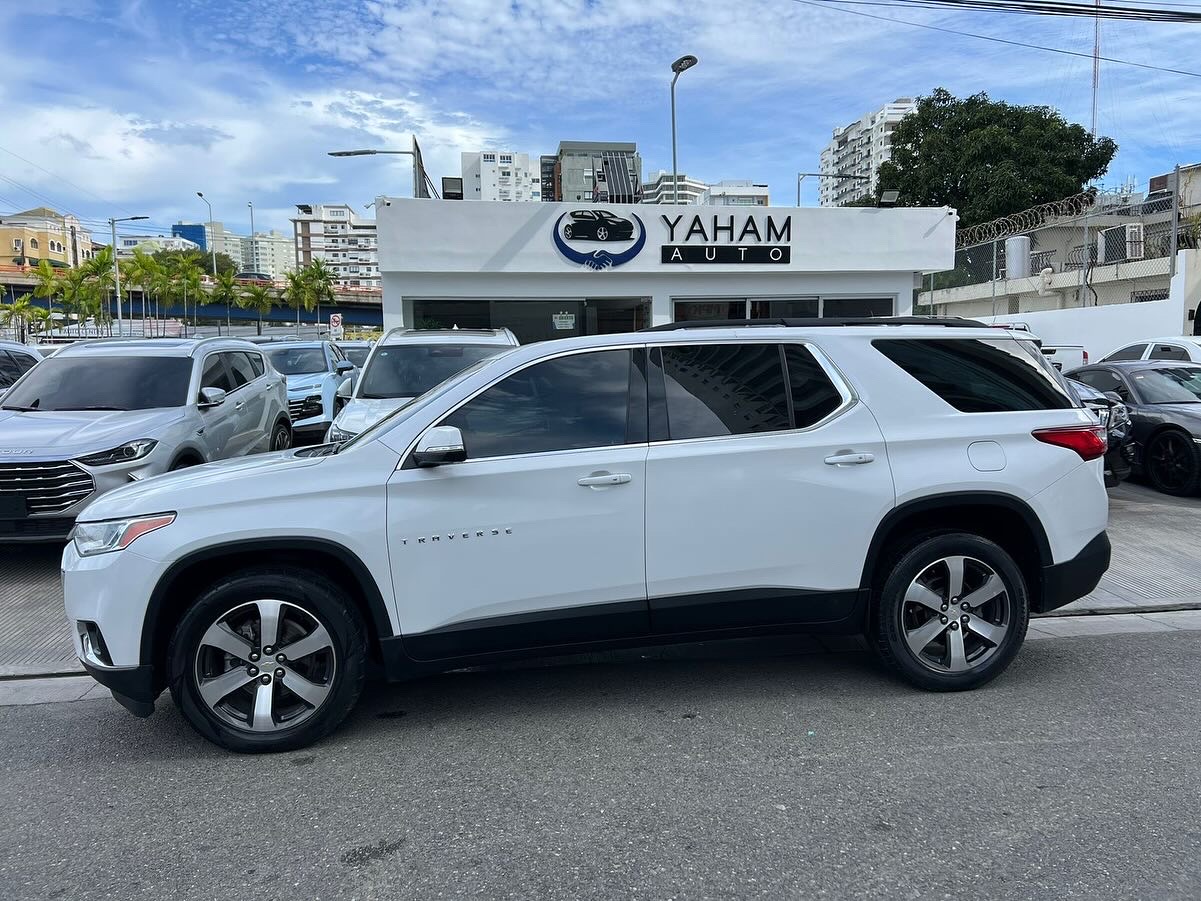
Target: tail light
(1086, 440)
(1086, 358)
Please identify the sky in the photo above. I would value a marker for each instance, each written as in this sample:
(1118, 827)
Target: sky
(131, 107)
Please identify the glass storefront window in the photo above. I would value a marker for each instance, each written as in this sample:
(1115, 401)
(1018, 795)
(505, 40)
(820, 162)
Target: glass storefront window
(537, 320)
(856, 306)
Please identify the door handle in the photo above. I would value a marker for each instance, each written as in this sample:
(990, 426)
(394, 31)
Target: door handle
(603, 479)
(239, 405)
(849, 459)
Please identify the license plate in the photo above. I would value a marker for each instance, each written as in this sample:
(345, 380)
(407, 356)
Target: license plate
(12, 506)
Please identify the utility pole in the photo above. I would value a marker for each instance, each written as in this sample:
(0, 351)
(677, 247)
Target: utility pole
(112, 224)
(254, 256)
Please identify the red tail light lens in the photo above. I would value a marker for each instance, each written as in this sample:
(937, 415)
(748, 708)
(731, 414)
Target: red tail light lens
(1087, 440)
(1086, 358)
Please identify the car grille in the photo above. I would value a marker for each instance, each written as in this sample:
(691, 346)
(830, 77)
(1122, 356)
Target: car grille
(303, 408)
(47, 487)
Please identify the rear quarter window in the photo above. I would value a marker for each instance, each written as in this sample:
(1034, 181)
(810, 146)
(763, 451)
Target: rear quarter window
(978, 375)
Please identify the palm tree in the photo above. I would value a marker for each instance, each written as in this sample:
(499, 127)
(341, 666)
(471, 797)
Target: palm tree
(49, 284)
(226, 290)
(321, 280)
(76, 297)
(99, 273)
(185, 279)
(298, 293)
(260, 298)
(19, 314)
(142, 271)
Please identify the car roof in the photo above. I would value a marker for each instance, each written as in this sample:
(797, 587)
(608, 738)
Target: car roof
(17, 345)
(502, 336)
(1139, 364)
(277, 345)
(151, 347)
(1191, 339)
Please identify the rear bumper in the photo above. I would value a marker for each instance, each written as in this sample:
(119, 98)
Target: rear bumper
(132, 686)
(1073, 579)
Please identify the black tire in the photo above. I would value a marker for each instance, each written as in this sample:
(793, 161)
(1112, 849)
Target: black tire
(1173, 463)
(184, 463)
(317, 597)
(281, 436)
(893, 617)
(567, 230)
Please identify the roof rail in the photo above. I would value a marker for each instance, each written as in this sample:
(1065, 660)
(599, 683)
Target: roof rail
(830, 322)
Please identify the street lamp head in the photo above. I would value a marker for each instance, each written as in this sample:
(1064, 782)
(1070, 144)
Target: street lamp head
(200, 194)
(684, 62)
(136, 218)
(351, 152)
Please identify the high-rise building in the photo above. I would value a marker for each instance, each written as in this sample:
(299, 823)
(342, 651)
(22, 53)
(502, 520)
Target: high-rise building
(272, 253)
(207, 235)
(858, 150)
(601, 171)
(500, 175)
(28, 237)
(735, 192)
(548, 164)
(659, 189)
(127, 244)
(346, 241)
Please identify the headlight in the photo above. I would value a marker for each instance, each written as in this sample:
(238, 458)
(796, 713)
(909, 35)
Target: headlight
(132, 450)
(93, 538)
(337, 434)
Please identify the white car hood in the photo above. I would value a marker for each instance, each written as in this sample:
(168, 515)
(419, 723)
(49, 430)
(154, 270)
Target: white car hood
(59, 435)
(362, 412)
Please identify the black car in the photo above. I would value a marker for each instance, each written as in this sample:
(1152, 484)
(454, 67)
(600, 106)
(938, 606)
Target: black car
(1115, 416)
(1164, 399)
(597, 225)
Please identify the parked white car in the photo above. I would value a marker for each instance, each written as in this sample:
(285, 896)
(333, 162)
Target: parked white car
(314, 371)
(100, 414)
(927, 485)
(1183, 348)
(407, 363)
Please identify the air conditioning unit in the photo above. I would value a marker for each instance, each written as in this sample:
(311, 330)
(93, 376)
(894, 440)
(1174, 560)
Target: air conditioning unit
(1120, 243)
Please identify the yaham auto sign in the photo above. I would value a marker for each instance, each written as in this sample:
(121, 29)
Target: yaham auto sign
(726, 239)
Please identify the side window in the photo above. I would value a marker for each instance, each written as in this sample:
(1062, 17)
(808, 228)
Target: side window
(1168, 352)
(570, 402)
(1133, 352)
(1102, 380)
(814, 396)
(256, 363)
(724, 389)
(215, 374)
(239, 366)
(25, 362)
(979, 375)
(9, 370)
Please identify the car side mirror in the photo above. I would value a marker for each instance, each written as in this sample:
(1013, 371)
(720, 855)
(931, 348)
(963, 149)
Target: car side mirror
(1114, 396)
(346, 389)
(1123, 393)
(441, 444)
(343, 366)
(211, 397)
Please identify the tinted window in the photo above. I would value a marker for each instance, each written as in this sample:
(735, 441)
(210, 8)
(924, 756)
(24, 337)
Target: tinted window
(857, 306)
(256, 363)
(814, 396)
(1101, 380)
(9, 371)
(1133, 352)
(92, 382)
(298, 360)
(571, 402)
(407, 370)
(978, 375)
(724, 389)
(215, 374)
(239, 364)
(1168, 352)
(357, 355)
(1169, 386)
(24, 362)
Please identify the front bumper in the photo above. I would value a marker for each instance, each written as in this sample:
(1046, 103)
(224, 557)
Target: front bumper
(1073, 579)
(132, 686)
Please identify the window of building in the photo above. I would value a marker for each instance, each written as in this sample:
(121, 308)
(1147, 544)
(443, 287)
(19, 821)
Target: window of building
(839, 307)
(714, 390)
(978, 375)
(33, 243)
(568, 403)
(489, 157)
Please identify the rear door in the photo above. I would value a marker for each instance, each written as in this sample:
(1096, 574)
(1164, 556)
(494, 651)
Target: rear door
(765, 478)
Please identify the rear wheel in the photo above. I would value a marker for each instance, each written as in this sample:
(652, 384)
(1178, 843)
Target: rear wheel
(1173, 463)
(953, 613)
(268, 660)
(281, 437)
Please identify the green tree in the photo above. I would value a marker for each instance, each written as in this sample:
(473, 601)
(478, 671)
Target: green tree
(184, 284)
(298, 293)
(49, 284)
(143, 271)
(76, 297)
(321, 279)
(225, 290)
(259, 297)
(202, 259)
(988, 158)
(19, 314)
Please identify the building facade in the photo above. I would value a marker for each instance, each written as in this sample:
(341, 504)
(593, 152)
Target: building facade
(548, 165)
(273, 253)
(734, 192)
(209, 235)
(30, 236)
(500, 175)
(344, 240)
(127, 244)
(660, 190)
(859, 149)
(575, 270)
(601, 171)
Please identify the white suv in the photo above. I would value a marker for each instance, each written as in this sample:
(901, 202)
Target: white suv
(928, 485)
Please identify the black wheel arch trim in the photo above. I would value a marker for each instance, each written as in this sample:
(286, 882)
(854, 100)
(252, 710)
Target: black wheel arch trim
(947, 501)
(378, 610)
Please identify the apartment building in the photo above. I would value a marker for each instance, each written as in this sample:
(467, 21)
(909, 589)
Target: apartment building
(207, 235)
(501, 175)
(127, 244)
(734, 192)
(346, 241)
(30, 236)
(602, 171)
(548, 166)
(272, 253)
(660, 190)
(858, 150)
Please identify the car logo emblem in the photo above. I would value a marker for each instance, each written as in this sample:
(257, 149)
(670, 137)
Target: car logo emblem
(592, 226)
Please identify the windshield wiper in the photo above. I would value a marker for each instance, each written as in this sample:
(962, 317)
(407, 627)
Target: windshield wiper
(19, 409)
(89, 407)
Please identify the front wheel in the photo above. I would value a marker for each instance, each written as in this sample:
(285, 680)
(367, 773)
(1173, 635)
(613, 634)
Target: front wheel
(268, 660)
(1173, 463)
(952, 614)
(281, 437)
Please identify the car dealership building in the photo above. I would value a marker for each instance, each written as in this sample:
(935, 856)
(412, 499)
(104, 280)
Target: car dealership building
(553, 270)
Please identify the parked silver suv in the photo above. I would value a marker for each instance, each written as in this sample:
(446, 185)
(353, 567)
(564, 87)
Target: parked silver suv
(101, 414)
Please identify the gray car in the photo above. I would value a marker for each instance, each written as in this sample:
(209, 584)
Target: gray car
(101, 414)
(15, 360)
(314, 370)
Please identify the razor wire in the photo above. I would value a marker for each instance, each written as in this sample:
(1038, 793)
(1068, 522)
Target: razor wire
(1027, 220)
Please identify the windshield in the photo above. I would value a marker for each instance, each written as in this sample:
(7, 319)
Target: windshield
(357, 355)
(103, 383)
(407, 370)
(1169, 386)
(297, 360)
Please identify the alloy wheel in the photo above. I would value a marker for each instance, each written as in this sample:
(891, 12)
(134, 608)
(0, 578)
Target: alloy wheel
(956, 614)
(265, 666)
(1172, 461)
(281, 440)
(567, 230)
(602, 234)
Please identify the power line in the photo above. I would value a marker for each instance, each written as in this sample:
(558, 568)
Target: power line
(1064, 8)
(830, 4)
(66, 181)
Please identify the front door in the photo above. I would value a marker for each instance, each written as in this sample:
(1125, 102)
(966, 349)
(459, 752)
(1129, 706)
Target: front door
(221, 421)
(763, 487)
(538, 538)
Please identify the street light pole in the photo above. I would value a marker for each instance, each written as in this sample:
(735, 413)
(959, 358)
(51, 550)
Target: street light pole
(678, 67)
(413, 153)
(112, 224)
(254, 261)
(213, 250)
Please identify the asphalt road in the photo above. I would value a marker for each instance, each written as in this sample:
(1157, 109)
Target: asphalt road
(733, 772)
